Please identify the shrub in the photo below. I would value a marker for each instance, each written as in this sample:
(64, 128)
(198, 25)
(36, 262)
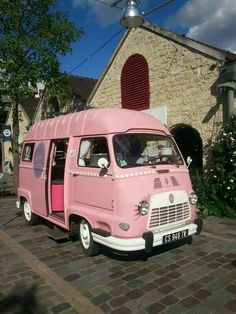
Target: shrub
(216, 186)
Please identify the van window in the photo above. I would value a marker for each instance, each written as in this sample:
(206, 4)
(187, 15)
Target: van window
(133, 150)
(28, 152)
(91, 150)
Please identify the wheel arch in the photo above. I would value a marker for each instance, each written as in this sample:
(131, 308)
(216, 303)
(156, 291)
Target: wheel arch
(25, 195)
(74, 219)
(77, 217)
(95, 222)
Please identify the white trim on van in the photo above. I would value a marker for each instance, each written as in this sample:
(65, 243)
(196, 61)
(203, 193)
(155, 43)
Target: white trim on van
(136, 244)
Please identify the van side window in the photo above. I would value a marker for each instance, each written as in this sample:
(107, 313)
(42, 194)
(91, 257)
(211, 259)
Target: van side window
(91, 150)
(28, 152)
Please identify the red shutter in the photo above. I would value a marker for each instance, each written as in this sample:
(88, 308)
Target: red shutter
(135, 90)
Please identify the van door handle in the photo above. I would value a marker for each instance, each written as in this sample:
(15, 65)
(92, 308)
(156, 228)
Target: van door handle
(44, 176)
(74, 173)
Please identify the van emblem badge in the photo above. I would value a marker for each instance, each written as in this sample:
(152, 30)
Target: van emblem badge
(171, 198)
(166, 180)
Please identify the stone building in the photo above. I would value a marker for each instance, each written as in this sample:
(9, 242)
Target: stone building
(81, 88)
(173, 77)
(27, 110)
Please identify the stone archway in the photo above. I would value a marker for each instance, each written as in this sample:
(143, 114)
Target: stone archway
(190, 143)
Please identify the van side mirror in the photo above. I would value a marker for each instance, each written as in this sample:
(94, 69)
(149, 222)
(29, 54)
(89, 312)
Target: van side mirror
(189, 160)
(103, 163)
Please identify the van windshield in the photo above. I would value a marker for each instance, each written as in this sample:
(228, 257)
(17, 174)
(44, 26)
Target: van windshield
(132, 150)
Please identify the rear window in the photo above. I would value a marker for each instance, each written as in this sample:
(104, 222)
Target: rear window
(28, 151)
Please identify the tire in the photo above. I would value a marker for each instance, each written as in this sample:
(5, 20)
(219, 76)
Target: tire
(30, 218)
(89, 247)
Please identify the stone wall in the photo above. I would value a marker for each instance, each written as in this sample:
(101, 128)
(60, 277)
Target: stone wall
(180, 79)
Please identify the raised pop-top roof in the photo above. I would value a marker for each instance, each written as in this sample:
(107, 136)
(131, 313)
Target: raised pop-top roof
(94, 122)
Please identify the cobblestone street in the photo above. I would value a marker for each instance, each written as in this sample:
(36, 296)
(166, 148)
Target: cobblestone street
(44, 276)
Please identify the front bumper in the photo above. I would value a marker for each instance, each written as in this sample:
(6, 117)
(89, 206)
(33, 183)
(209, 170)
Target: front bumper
(141, 243)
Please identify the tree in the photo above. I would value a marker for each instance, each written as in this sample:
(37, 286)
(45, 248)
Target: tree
(32, 36)
(56, 95)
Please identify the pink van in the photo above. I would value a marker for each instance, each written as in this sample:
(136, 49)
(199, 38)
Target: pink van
(114, 176)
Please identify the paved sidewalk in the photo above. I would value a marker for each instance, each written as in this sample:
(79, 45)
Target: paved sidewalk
(225, 227)
(39, 275)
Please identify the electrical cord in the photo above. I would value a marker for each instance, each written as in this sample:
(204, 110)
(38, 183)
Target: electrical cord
(96, 51)
(7, 222)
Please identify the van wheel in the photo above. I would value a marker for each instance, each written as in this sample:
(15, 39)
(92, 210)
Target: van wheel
(89, 247)
(30, 218)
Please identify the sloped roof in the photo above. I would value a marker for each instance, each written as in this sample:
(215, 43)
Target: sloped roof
(81, 86)
(194, 45)
(204, 48)
(30, 106)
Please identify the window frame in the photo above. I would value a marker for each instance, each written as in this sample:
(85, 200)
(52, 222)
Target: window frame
(26, 145)
(170, 138)
(92, 139)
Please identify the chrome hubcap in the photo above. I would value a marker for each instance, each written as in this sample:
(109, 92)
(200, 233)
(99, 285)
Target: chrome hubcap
(27, 211)
(85, 235)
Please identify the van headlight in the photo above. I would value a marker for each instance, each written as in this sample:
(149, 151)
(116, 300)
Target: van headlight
(193, 198)
(143, 208)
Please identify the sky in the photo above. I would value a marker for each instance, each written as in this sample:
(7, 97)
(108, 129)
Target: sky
(209, 21)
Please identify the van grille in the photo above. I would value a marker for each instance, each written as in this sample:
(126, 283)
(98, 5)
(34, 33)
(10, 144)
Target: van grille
(169, 214)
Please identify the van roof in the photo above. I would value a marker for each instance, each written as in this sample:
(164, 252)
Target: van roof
(93, 122)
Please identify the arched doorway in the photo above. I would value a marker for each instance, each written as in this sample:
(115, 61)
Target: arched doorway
(135, 90)
(190, 144)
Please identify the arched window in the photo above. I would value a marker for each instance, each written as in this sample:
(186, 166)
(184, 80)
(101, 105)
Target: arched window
(135, 91)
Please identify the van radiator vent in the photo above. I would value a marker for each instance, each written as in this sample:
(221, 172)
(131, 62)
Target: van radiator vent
(174, 181)
(157, 183)
(169, 214)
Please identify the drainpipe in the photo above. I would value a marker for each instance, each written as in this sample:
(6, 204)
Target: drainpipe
(227, 87)
(228, 107)
(230, 101)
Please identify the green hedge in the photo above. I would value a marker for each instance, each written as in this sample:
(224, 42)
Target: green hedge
(216, 185)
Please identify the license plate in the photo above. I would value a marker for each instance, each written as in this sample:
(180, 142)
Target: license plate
(175, 236)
